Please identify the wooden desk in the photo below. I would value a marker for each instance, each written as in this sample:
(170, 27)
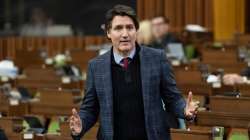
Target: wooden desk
(53, 102)
(230, 104)
(50, 110)
(218, 55)
(18, 110)
(225, 58)
(244, 90)
(191, 80)
(15, 136)
(178, 134)
(223, 89)
(81, 57)
(227, 67)
(26, 58)
(3, 103)
(12, 127)
(209, 118)
(12, 110)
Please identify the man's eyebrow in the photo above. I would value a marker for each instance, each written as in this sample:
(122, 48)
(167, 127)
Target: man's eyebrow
(121, 25)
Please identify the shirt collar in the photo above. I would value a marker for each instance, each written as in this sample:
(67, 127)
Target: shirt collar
(118, 57)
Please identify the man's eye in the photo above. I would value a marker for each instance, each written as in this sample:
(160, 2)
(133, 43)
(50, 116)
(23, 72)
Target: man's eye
(130, 27)
(118, 28)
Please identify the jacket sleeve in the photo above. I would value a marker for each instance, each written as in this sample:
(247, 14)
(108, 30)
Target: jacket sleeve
(171, 96)
(89, 109)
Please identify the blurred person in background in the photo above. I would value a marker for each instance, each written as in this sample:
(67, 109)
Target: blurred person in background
(144, 34)
(161, 32)
(38, 24)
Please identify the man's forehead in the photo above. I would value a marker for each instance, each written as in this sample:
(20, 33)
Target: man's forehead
(122, 20)
(157, 20)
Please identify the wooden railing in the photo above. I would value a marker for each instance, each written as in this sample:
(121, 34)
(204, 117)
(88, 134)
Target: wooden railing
(53, 45)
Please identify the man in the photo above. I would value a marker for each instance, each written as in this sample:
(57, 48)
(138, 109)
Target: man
(161, 32)
(128, 94)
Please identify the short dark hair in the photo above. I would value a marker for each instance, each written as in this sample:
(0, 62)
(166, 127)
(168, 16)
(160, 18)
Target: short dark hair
(165, 19)
(120, 10)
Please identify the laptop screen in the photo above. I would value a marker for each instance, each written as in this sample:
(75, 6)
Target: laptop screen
(175, 50)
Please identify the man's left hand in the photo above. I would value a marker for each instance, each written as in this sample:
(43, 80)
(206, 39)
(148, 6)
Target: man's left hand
(191, 106)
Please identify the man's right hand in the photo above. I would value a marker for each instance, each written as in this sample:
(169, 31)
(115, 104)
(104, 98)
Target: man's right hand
(75, 123)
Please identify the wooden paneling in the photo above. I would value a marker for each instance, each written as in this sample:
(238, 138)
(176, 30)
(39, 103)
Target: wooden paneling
(53, 45)
(179, 12)
(179, 15)
(211, 14)
(247, 16)
(229, 20)
(147, 9)
(208, 15)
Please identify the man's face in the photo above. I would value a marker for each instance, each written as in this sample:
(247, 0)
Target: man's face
(122, 34)
(159, 27)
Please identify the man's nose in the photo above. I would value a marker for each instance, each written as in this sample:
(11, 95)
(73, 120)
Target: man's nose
(124, 33)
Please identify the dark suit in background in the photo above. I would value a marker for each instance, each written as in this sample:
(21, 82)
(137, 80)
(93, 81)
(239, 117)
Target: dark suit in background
(166, 39)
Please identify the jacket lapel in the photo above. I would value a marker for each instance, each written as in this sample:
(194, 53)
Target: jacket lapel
(145, 80)
(108, 93)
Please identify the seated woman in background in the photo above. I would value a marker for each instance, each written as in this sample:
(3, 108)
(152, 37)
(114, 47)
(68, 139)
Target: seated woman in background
(145, 36)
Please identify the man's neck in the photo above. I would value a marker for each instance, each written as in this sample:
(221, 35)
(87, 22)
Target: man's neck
(124, 53)
(119, 56)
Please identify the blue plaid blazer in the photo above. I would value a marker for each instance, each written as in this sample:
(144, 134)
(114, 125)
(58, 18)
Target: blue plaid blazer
(158, 84)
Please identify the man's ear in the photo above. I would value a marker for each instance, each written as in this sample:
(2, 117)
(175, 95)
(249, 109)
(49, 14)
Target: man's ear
(108, 34)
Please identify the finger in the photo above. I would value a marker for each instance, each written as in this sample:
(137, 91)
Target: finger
(196, 107)
(190, 113)
(197, 102)
(74, 112)
(189, 99)
(72, 121)
(196, 112)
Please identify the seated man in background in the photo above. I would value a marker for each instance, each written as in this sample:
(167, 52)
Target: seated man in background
(161, 32)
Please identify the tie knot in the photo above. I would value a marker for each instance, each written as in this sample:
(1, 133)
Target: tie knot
(125, 62)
